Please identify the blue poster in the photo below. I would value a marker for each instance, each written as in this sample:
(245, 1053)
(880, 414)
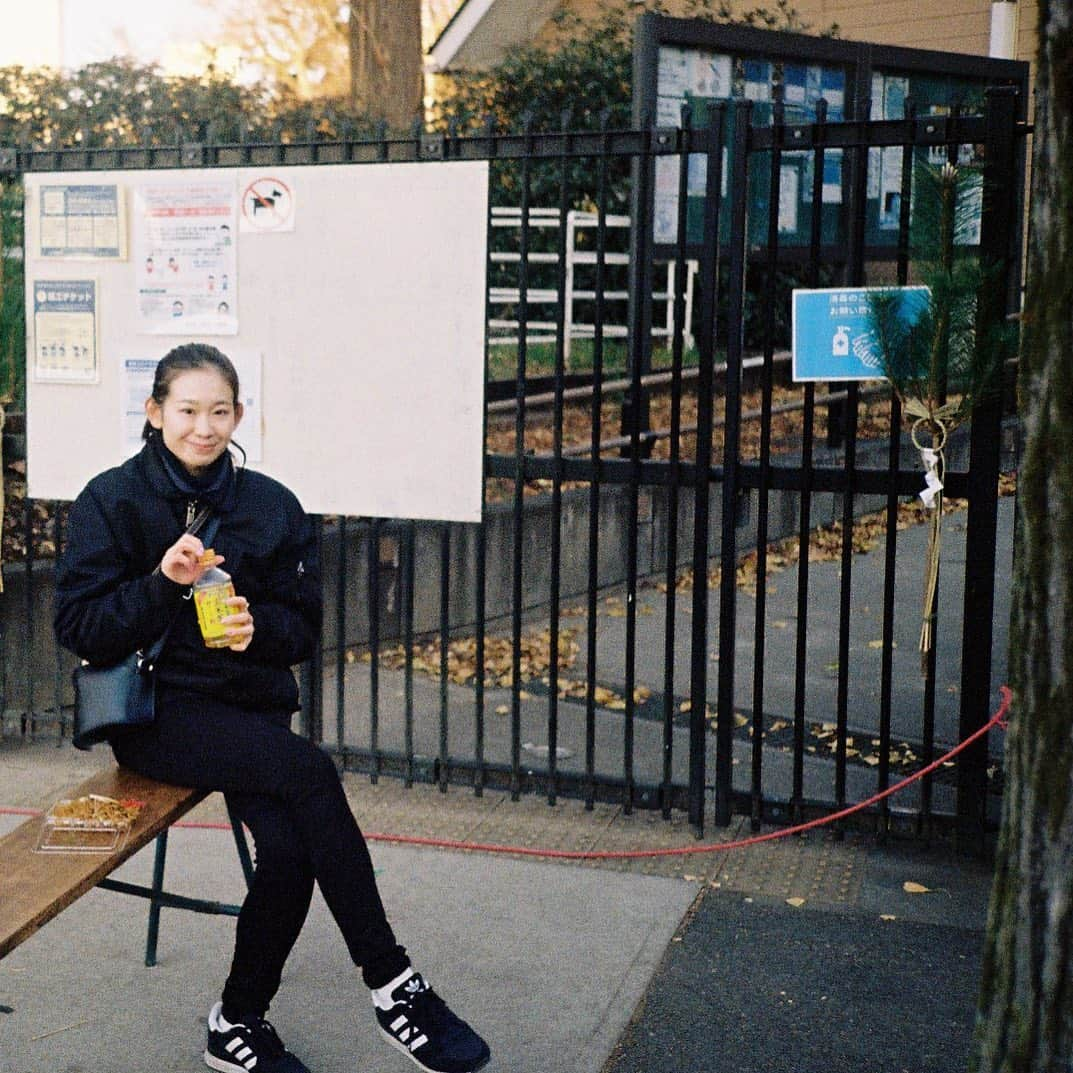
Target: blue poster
(83, 222)
(833, 338)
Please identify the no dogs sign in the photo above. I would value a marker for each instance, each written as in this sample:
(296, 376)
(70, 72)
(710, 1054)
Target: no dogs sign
(267, 205)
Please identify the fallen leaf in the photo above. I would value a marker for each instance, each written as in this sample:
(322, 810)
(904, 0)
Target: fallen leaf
(795, 902)
(875, 644)
(502, 709)
(915, 888)
(887, 916)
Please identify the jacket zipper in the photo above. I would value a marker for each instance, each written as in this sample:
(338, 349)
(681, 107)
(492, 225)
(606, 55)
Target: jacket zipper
(191, 512)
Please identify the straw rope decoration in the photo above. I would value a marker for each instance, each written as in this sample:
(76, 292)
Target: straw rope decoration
(939, 364)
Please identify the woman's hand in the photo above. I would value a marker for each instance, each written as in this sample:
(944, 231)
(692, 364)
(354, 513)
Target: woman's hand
(181, 561)
(239, 625)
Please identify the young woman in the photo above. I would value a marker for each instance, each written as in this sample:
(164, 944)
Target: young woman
(223, 714)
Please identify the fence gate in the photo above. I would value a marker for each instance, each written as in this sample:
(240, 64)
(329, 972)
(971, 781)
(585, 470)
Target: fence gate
(668, 603)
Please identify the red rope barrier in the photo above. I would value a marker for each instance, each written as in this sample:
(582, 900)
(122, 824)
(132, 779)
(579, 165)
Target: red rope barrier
(997, 720)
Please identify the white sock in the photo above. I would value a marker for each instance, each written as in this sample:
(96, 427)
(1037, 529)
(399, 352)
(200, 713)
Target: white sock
(382, 995)
(217, 1021)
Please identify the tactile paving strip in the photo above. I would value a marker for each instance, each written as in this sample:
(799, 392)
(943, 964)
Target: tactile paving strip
(815, 867)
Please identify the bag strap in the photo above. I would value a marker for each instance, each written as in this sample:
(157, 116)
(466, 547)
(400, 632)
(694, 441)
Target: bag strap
(206, 523)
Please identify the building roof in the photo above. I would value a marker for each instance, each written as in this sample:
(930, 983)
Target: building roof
(481, 31)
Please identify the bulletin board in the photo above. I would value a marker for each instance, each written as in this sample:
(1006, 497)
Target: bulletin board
(351, 298)
(700, 63)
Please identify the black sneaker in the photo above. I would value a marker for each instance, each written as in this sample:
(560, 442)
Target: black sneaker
(419, 1024)
(243, 1048)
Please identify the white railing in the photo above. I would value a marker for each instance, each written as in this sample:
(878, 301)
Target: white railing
(504, 331)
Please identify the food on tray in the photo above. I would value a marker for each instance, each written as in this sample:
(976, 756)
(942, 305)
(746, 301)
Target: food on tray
(94, 810)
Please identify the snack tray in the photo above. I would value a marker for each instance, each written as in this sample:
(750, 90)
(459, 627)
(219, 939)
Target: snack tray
(68, 834)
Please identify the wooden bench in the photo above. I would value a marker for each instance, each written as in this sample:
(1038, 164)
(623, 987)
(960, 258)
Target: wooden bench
(35, 886)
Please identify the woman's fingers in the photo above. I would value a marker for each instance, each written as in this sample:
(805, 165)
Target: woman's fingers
(182, 561)
(240, 624)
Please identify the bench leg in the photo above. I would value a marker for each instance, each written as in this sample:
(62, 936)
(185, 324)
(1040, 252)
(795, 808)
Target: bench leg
(154, 898)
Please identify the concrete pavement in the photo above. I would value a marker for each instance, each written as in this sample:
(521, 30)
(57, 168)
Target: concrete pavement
(696, 962)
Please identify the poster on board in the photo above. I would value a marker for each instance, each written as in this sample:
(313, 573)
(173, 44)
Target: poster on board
(64, 349)
(82, 221)
(185, 257)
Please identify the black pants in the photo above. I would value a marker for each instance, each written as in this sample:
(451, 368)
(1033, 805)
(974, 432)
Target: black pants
(288, 793)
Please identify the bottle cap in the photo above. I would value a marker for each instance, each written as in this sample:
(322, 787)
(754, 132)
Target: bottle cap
(208, 557)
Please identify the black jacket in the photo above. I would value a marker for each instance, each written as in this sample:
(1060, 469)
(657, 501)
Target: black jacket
(109, 603)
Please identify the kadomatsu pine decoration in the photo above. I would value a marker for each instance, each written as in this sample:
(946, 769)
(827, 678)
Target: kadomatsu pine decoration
(940, 363)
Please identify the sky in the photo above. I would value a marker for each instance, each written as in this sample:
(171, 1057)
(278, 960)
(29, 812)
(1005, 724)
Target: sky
(72, 33)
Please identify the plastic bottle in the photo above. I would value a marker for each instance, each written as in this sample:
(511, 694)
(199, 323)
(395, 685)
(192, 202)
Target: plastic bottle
(211, 592)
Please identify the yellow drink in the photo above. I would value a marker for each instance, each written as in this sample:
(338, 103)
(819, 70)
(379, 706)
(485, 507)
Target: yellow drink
(211, 593)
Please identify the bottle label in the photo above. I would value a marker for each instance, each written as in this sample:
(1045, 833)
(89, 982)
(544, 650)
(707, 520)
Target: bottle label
(211, 604)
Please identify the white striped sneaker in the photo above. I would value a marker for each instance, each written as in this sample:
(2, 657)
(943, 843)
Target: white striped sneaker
(416, 1021)
(249, 1047)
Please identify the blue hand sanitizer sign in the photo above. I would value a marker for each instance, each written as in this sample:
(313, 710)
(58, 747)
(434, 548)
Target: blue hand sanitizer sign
(833, 336)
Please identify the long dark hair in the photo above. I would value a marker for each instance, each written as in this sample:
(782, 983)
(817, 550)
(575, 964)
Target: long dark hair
(182, 359)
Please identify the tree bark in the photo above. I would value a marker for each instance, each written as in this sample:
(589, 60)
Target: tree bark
(386, 77)
(1025, 1014)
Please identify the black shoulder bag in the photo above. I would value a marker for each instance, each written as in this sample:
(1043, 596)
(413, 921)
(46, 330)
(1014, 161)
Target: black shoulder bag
(124, 694)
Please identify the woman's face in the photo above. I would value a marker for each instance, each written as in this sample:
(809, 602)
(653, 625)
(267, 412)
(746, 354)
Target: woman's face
(197, 419)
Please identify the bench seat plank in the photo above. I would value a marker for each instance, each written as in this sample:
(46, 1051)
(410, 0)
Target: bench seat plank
(34, 887)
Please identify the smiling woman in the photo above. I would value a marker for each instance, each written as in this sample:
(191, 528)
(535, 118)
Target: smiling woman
(195, 410)
(224, 700)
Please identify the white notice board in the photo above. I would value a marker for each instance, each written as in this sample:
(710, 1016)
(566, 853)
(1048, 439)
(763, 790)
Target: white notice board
(366, 310)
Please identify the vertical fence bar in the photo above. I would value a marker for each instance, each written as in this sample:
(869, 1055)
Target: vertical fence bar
(58, 676)
(767, 374)
(445, 641)
(804, 524)
(557, 477)
(639, 342)
(481, 580)
(674, 474)
(480, 585)
(30, 715)
(340, 642)
(857, 157)
(373, 562)
(596, 415)
(519, 477)
(406, 576)
(999, 226)
(731, 458)
(312, 673)
(890, 561)
(706, 327)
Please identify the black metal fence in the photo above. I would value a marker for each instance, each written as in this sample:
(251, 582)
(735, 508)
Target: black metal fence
(615, 629)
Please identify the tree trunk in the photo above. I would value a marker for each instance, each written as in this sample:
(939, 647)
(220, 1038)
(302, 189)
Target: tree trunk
(386, 78)
(1025, 1016)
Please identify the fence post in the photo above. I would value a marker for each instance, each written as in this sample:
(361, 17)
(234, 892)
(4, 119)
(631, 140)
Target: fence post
(728, 593)
(709, 286)
(998, 223)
